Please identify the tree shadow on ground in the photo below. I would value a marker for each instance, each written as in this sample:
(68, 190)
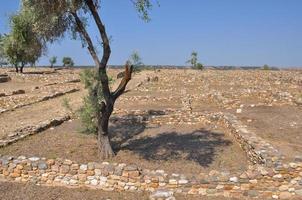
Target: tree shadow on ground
(199, 146)
(124, 128)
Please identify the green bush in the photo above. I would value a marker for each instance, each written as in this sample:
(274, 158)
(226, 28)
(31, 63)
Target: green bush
(266, 67)
(90, 108)
(67, 62)
(198, 66)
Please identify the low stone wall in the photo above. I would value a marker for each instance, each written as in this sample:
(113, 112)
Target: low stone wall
(257, 149)
(4, 78)
(14, 92)
(45, 98)
(258, 181)
(30, 130)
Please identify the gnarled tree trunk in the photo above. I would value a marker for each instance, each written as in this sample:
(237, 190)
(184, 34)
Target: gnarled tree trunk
(107, 105)
(21, 68)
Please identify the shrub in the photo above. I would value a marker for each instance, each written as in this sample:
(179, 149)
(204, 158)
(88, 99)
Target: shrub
(67, 62)
(90, 108)
(266, 67)
(198, 66)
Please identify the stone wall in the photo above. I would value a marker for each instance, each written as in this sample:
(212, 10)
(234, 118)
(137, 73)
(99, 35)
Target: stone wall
(30, 130)
(258, 181)
(44, 98)
(257, 149)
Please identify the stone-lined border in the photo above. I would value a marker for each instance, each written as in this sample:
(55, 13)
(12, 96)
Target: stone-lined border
(31, 130)
(257, 149)
(257, 182)
(45, 98)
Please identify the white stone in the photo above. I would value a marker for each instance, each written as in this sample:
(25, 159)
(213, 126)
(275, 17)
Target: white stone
(161, 194)
(73, 182)
(275, 196)
(83, 167)
(234, 179)
(103, 178)
(94, 182)
(34, 159)
(183, 181)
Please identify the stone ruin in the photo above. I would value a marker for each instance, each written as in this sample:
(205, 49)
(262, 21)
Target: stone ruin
(4, 78)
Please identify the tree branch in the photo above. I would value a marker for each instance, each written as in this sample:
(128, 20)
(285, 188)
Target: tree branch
(106, 51)
(122, 86)
(101, 27)
(86, 36)
(102, 75)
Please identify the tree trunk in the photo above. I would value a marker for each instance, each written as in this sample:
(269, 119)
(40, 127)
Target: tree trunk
(104, 145)
(17, 69)
(21, 68)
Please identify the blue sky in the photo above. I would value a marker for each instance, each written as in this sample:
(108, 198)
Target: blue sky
(223, 32)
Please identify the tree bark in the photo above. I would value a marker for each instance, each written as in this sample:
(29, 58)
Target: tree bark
(21, 68)
(106, 106)
(17, 69)
(105, 149)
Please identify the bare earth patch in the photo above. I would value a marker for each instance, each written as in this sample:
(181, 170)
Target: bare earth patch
(17, 191)
(279, 125)
(175, 149)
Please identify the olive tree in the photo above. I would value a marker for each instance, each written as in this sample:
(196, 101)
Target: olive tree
(3, 60)
(52, 61)
(22, 45)
(67, 61)
(52, 19)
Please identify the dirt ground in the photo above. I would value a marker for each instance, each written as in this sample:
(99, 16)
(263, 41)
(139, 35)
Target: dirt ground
(281, 126)
(188, 150)
(18, 191)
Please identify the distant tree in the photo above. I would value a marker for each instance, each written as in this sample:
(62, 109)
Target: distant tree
(266, 67)
(52, 61)
(22, 45)
(136, 59)
(3, 60)
(67, 62)
(52, 19)
(193, 61)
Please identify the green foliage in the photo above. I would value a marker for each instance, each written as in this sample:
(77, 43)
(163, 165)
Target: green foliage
(67, 62)
(53, 60)
(266, 67)
(22, 45)
(136, 60)
(193, 61)
(199, 66)
(52, 19)
(3, 60)
(89, 110)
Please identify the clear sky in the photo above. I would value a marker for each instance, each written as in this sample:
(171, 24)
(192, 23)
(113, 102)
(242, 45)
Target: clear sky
(223, 32)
